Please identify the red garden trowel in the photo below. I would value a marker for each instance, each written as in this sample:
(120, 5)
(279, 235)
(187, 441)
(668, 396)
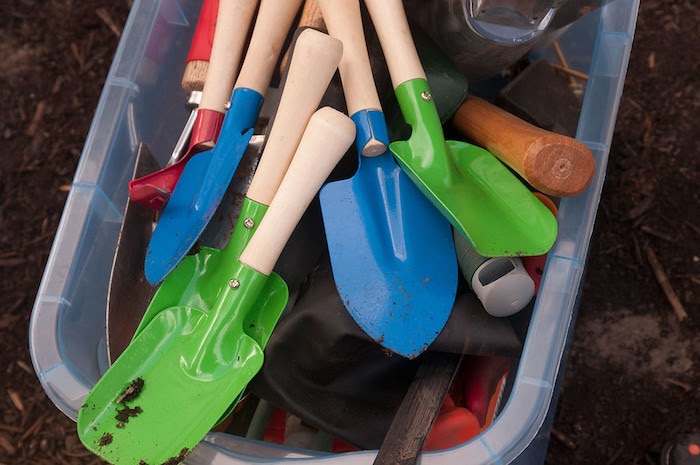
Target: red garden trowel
(478, 195)
(206, 177)
(391, 251)
(233, 21)
(177, 377)
(129, 292)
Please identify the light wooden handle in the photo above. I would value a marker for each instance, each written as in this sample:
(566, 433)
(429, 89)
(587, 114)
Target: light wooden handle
(232, 24)
(314, 61)
(195, 75)
(328, 136)
(310, 17)
(390, 21)
(345, 24)
(552, 163)
(271, 27)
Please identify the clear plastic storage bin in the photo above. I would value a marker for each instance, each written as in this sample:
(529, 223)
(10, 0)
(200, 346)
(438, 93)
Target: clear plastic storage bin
(142, 101)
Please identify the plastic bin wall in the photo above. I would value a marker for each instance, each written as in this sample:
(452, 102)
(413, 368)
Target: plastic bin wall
(142, 101)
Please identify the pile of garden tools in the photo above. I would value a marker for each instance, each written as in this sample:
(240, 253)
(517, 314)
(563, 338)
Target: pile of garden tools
(273, 268)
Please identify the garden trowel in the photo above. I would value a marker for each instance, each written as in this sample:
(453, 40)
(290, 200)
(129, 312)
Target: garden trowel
(478, 195)
(393, 259)
(180, 374)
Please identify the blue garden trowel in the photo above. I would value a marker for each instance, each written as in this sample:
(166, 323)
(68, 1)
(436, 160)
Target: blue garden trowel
(391, 251)
(207, 175)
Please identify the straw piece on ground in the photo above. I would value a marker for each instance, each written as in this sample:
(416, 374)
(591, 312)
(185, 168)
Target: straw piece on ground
(563, 438)
(15, 399)
(665, 284)
(685, 386)
(654, 232)
(33, 428)
(24, 366)
(107, 19)
(6, 445)
(36, 119)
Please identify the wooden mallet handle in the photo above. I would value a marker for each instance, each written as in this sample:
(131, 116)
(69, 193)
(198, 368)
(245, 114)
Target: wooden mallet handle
(552, 163)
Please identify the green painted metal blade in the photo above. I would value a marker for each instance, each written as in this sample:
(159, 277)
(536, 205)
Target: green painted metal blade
(198, 279)
(478, 195)
(176, 378)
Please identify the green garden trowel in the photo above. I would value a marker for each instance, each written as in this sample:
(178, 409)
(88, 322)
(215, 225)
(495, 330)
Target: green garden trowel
(478, 195)
(198, 278)
(183, 369)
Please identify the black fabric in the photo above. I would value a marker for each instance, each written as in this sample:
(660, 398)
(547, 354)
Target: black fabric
(320, 366)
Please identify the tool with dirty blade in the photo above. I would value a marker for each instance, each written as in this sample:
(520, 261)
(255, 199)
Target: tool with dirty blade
(200, 360)
(392, 253)
(199, 277)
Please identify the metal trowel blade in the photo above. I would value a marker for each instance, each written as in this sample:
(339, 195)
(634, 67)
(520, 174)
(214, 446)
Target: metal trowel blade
(129, 292)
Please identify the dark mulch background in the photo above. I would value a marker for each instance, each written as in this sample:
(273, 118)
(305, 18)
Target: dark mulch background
(632, 376)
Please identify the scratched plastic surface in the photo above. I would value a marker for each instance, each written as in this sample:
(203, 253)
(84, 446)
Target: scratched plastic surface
(142, 101)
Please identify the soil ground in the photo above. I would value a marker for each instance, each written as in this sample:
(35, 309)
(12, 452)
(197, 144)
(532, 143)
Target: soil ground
(633, 374)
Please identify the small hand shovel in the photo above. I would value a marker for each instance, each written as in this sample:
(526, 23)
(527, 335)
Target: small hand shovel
(233, 21)
(177, 377)
(554, 164)
(393, 258)
(206, 177)
(196, 281)
(482, 199)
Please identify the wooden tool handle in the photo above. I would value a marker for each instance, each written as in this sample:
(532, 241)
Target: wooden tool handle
(552, 163)
(345, 24)
(200, 47)
(310, 17)
(390, 21)
(419, 409)
(327, 137)
(194, 76)
(232, 24)
(271, 27)
(314, 61)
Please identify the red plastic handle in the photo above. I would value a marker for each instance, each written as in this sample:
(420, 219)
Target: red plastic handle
(203, 37)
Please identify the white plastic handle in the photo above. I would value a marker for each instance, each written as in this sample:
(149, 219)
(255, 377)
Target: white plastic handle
(390, 21)
(271, 27)
(232, 25)
(344, 22)
(314, 61)
(328, 136)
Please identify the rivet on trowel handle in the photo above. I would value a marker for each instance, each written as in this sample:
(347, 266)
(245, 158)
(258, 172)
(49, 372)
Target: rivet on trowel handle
(426, 96)
(249, 223)
(234, 284)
